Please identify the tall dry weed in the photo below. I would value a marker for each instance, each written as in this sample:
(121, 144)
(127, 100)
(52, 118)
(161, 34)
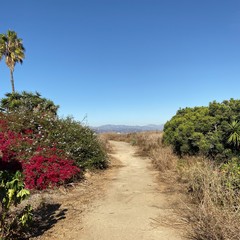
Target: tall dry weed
(216, 214)
(214, 222)
(150, 145)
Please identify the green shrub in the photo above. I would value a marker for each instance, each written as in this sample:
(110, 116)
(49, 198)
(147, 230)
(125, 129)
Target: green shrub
(231, 171)
(79, 142)
(211, 131)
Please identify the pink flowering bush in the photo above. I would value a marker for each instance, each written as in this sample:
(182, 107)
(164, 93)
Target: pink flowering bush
(8, 158)
(42, 167)
(43, 171)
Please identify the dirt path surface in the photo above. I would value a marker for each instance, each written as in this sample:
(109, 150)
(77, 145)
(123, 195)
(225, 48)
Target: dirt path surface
(127, 202)
(132, 205)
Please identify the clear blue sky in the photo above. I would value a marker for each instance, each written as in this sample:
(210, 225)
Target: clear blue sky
(130, 62)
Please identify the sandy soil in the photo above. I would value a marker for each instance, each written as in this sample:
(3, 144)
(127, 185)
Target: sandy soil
(126, 202)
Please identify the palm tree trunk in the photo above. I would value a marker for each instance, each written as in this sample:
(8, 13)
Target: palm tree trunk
(12, 80)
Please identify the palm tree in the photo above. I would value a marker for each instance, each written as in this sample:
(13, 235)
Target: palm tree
(12, 49)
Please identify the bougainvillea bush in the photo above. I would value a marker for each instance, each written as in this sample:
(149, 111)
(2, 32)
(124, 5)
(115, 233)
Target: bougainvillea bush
(42, 167)
(8, 158)
(47, 169)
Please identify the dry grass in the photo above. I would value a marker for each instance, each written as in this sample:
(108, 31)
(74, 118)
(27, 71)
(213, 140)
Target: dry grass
(216, 213)
(214, 222)
(118, 137)
(150, 145)
(103, 138)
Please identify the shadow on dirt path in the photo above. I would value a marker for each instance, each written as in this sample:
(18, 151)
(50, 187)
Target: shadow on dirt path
(45, 217)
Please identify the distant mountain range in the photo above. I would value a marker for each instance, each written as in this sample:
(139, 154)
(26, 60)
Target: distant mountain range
(127, 129)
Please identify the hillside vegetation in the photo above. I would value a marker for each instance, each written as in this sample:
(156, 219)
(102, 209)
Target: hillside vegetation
(199, 149)
(207, 140)
(39, 150)
(31, 130)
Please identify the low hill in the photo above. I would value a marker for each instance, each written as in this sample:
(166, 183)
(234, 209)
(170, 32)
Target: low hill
(127, 129)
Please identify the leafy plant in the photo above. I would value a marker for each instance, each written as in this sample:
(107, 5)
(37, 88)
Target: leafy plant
(12, 193)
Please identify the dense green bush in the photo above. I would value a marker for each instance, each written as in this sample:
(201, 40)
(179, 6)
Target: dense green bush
(211, 131)
(79, 142)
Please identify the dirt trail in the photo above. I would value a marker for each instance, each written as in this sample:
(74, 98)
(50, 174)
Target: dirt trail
(132, 205)
(125, 202)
